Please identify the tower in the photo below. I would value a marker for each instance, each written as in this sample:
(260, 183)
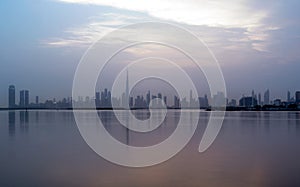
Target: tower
(297, 96)
(267, 97)
(127, 91)
(24, 98)
(259, 99)
(253, 96)
(11, 96)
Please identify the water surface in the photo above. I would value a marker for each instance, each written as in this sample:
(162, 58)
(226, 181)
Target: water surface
(45, 148)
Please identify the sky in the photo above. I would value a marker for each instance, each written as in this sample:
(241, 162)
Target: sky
(256, 42)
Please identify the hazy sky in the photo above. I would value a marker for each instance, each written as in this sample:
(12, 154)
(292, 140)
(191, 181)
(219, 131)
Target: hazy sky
(256, 42)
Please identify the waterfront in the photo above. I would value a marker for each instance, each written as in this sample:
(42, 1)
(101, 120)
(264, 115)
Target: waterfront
(44, 148)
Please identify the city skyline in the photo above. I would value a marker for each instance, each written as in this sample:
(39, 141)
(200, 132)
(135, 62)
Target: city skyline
(104, 99)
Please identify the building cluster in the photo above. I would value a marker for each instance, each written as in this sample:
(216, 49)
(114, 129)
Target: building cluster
(24, 101)
(255, 102)
(104, 99)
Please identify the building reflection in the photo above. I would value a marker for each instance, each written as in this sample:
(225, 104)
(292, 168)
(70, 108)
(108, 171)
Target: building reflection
(266, 122)
(297, 122)
(24, 120)
(11, 123)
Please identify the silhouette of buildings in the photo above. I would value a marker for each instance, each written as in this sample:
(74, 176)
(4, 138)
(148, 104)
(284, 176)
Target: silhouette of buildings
(218, 99)
(24, 98)
(297, 97)
(288, 97)
(104, 99)
(36, 100)
(176, 102)
(267, 97)
(11, 96)
(126, 99)
(97, 100)
(248, 101)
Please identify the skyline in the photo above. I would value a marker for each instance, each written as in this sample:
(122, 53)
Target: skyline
(104, 99)
(256, 43)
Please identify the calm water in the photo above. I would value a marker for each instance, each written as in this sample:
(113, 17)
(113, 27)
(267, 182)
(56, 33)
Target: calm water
(44, 148)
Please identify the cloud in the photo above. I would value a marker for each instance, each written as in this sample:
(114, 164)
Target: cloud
(97, 27)
(206, 13)
(234, 13)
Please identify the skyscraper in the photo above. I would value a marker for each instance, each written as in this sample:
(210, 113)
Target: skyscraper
(97, 101)
(37, 100)
(24, 98)
(148, 98)
(267, 97)
(165, 100)
(288, 98)
(253, 97)
(127, 91)
(11, 96)
(297, 96)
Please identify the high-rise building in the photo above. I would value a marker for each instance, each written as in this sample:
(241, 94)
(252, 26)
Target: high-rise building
(11, 96)
(165, 100)
(203, 102)
(288, 98)
(37, 100)
(97, 100)
(159, 95)
(297, 96)
(127, 91)
(176, 102)
(24, 98)
(259, 99)
(219, 100)
(248, 101)
(191, 99)
(267, 97)
(148, 98)
(253, 97)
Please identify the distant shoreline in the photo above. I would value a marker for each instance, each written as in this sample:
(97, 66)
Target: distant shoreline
(228, 109)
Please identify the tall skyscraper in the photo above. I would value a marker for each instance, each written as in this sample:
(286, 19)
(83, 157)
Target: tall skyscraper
(148, 98)
(297, 96)
(288, 98)
(176, 102)
(127, 92)
(267, 97)
(165, 100)
(259, 99)
(97, 100)
(37, 100)
(253, 97)
(11, 96)
(24, 98)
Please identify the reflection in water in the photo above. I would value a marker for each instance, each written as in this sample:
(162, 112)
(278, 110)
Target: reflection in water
(253, 149)
(12, 123)
(266, 122)
(24, 120)
(36, 114)
(298, 123)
